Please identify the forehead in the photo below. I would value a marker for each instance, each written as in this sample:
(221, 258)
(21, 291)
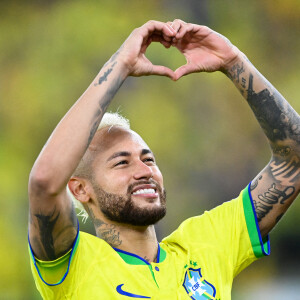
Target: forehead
(112, 139)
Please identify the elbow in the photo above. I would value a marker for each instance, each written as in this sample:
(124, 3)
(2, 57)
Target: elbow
(42, 182)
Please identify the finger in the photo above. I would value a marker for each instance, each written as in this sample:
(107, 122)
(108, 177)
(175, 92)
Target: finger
(151, 26)
(167, 38)
(147, 39)
(162, 71)
(176, 24)
(160, 39)
(184, 70)
(184, 28)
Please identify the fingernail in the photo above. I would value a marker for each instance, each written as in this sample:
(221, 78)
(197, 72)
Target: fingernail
(170, 27)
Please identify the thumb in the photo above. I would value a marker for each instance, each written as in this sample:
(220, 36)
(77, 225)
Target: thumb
(162, 71)
(185, 70)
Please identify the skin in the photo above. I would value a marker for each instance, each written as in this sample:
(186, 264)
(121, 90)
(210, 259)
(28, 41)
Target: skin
(52, 220)
(118, 157)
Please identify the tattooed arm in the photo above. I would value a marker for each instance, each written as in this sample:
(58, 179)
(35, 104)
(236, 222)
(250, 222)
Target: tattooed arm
(275, 188)
(52, 219)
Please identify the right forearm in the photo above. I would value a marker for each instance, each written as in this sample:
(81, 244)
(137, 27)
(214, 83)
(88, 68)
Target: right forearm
(70, 139)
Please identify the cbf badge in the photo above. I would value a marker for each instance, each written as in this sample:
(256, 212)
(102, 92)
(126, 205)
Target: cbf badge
(196, 287)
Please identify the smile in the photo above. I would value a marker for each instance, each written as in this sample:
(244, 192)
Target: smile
(144, 191)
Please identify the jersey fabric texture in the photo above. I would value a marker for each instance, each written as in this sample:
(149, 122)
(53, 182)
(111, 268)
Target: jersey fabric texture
(197, 261)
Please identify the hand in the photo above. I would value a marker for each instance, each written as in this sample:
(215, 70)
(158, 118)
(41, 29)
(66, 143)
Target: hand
(132, 52)
(203, 48)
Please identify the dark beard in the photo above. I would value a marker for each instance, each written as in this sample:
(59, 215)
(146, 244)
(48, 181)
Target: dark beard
(122, 209)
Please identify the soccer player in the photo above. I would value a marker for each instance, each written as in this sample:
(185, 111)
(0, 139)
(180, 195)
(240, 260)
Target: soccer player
(112, 172)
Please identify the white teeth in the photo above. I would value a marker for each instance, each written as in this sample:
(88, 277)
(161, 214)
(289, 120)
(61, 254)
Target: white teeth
(144, 191)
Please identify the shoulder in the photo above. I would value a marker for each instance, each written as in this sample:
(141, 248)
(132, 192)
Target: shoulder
(214, 223)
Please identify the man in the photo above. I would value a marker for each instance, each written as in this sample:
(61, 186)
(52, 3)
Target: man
(113, 174)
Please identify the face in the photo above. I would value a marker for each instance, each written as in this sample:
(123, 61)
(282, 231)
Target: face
(127, 183)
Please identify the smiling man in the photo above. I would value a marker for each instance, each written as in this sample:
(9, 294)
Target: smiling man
(112, 173)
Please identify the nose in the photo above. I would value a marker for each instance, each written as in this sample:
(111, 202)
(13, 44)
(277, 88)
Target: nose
(142, 171)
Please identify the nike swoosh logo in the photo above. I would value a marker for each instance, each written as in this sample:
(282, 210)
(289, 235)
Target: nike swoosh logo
(122, 292)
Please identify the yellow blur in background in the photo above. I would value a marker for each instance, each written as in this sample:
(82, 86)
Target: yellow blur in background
(206, 140)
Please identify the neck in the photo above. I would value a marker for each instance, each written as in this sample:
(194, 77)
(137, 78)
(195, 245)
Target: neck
(140, 240)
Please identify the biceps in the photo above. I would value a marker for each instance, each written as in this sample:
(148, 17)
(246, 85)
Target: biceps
(274, 190)
(52, 226)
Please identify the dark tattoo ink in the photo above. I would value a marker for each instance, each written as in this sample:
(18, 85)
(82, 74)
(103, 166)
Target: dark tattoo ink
(103, 104)
(255, 183)
(270, 198)
(276, 117)
(274, 195)
(114, 56)
(287, 171)
(278, 218)
(106, 231)
(282, 151)
(105, 75)
(236, 71)
(261, 210)
(46, 225)
(243, 84)
(267, 112)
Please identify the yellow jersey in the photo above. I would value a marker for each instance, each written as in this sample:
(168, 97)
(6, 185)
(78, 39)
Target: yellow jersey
(197, 261)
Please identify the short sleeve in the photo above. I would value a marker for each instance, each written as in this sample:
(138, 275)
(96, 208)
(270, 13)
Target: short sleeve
(228, 233)
(52, 273)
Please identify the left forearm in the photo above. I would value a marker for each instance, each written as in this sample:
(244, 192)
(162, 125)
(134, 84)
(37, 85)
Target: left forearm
(275, 188)
(279, 121)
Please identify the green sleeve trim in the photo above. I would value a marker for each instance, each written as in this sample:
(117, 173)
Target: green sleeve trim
(53, 263)
(261, 247)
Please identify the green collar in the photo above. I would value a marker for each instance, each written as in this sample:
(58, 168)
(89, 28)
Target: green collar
(134, 259)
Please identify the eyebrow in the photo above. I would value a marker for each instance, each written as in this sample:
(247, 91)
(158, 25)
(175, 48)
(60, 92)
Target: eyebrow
(126, 153)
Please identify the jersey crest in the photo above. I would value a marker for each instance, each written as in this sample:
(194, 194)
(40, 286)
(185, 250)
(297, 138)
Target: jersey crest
(197, 287)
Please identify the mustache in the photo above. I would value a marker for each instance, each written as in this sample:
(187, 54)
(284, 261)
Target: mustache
(150, 181)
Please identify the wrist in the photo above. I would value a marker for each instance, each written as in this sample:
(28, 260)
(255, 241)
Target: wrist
(237, 58)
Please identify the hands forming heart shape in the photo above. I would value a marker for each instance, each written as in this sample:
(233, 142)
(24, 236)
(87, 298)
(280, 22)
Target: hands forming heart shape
(204, 49)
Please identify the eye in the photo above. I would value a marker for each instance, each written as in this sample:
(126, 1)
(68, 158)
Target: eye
(149, 160)
(122, 162)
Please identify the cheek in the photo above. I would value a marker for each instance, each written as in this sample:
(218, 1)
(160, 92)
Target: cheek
(158, 176)
(115, 182)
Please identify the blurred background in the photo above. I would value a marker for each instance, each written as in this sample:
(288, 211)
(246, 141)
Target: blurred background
(206, 140)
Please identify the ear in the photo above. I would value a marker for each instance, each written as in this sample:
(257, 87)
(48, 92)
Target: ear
(80, 189)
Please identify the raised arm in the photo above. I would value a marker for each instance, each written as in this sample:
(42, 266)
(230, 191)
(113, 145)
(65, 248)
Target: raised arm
(52, 218)
(277, 185)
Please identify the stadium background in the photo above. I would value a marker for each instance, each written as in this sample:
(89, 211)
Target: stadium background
(206, 140)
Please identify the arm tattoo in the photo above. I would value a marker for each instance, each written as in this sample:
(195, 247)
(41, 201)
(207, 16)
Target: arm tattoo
(281, 124)
(255, 184)
(105, 75)
(267, 112)
(268, 199)
(278, 218)
(274, 195)
(106, 231)
(46, 224)
(104, 102)
(277, 118)
(235, 72)
(287, 171)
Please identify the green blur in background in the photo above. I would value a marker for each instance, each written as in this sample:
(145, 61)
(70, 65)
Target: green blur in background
(205, 138)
